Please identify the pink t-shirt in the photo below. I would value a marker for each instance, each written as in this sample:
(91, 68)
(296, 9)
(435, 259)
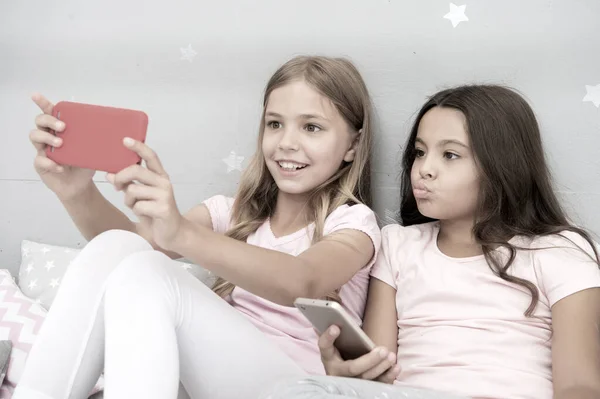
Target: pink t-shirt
(286, 326)
(461, 328)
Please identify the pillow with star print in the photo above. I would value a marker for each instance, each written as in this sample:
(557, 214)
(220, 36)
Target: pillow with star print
(43, 267)
(20, 322)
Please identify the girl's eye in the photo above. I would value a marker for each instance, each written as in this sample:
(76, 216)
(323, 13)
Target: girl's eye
(312, 128)
(419, 153)
(274, 125)
(450, 155)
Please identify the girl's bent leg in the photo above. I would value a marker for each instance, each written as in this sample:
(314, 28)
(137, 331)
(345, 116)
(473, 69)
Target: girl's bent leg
(68, 355)
(162, 324)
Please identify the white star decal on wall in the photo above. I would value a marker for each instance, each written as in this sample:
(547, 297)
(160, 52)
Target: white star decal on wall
(593, 95)
(233, 162)
(456, 14)
(188, 54)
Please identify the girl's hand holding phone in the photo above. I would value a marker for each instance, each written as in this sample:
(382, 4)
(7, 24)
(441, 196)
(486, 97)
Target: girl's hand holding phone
(379, 364)
(66, 182)
(149, 194)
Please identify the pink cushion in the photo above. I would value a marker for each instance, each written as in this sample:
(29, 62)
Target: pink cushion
(20, 321)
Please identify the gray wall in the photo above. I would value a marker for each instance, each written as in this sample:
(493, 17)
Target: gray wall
(128, 53)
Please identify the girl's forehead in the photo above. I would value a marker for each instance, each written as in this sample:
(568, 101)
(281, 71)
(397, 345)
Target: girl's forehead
(299, 99)
(442, 124)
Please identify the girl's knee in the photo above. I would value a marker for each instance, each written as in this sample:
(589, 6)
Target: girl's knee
(118, 238)
(108, 249)
(140, 285)
(99, 258)
(140, 272)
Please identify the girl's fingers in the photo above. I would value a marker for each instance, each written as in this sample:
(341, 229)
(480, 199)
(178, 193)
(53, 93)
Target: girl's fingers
(41, 139)
(44, 164)
(137, 173)
(390, 376)
(110, 177)
(43, 103)
(146, 208)
(367, 362)
(48, 122)
(326, 340)
(147, 154)
(380, 368)
(138, 192)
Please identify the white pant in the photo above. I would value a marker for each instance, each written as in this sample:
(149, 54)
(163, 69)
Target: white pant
(326, 387)
(148, 323)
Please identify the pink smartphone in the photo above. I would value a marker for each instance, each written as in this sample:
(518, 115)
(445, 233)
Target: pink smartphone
(93, 136)
(352, 341)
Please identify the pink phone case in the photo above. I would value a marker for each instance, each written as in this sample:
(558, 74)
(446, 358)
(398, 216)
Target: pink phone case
(93, 136)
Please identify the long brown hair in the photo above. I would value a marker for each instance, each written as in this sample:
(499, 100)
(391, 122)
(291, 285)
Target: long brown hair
(516, 196)
(338, 80)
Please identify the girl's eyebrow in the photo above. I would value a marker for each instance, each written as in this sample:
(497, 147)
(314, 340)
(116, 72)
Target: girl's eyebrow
(302, 116)
(452, 141)
(273, 114)
(444, 142)
(313, 116)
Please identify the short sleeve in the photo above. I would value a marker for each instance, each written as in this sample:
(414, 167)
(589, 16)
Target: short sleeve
(357, 217)
(219, 208)
(563, 265)
(384, 269)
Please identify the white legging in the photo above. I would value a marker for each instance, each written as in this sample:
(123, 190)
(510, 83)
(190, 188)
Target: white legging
(134, 313)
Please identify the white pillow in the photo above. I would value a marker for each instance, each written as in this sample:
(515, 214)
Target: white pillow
(43, 267)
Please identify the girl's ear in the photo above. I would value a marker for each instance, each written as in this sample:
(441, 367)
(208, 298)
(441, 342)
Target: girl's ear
(351, 153)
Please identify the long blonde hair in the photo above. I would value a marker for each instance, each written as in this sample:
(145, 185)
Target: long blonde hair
(338, 80)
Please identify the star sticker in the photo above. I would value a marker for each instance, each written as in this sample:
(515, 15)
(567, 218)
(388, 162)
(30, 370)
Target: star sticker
(188, 53)
(54, 283)
(456, 14)
(186, 266)
(233, 162)
(45, 250)
(32, 284)
(49, 265)
(29, 268)
(593, 95)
